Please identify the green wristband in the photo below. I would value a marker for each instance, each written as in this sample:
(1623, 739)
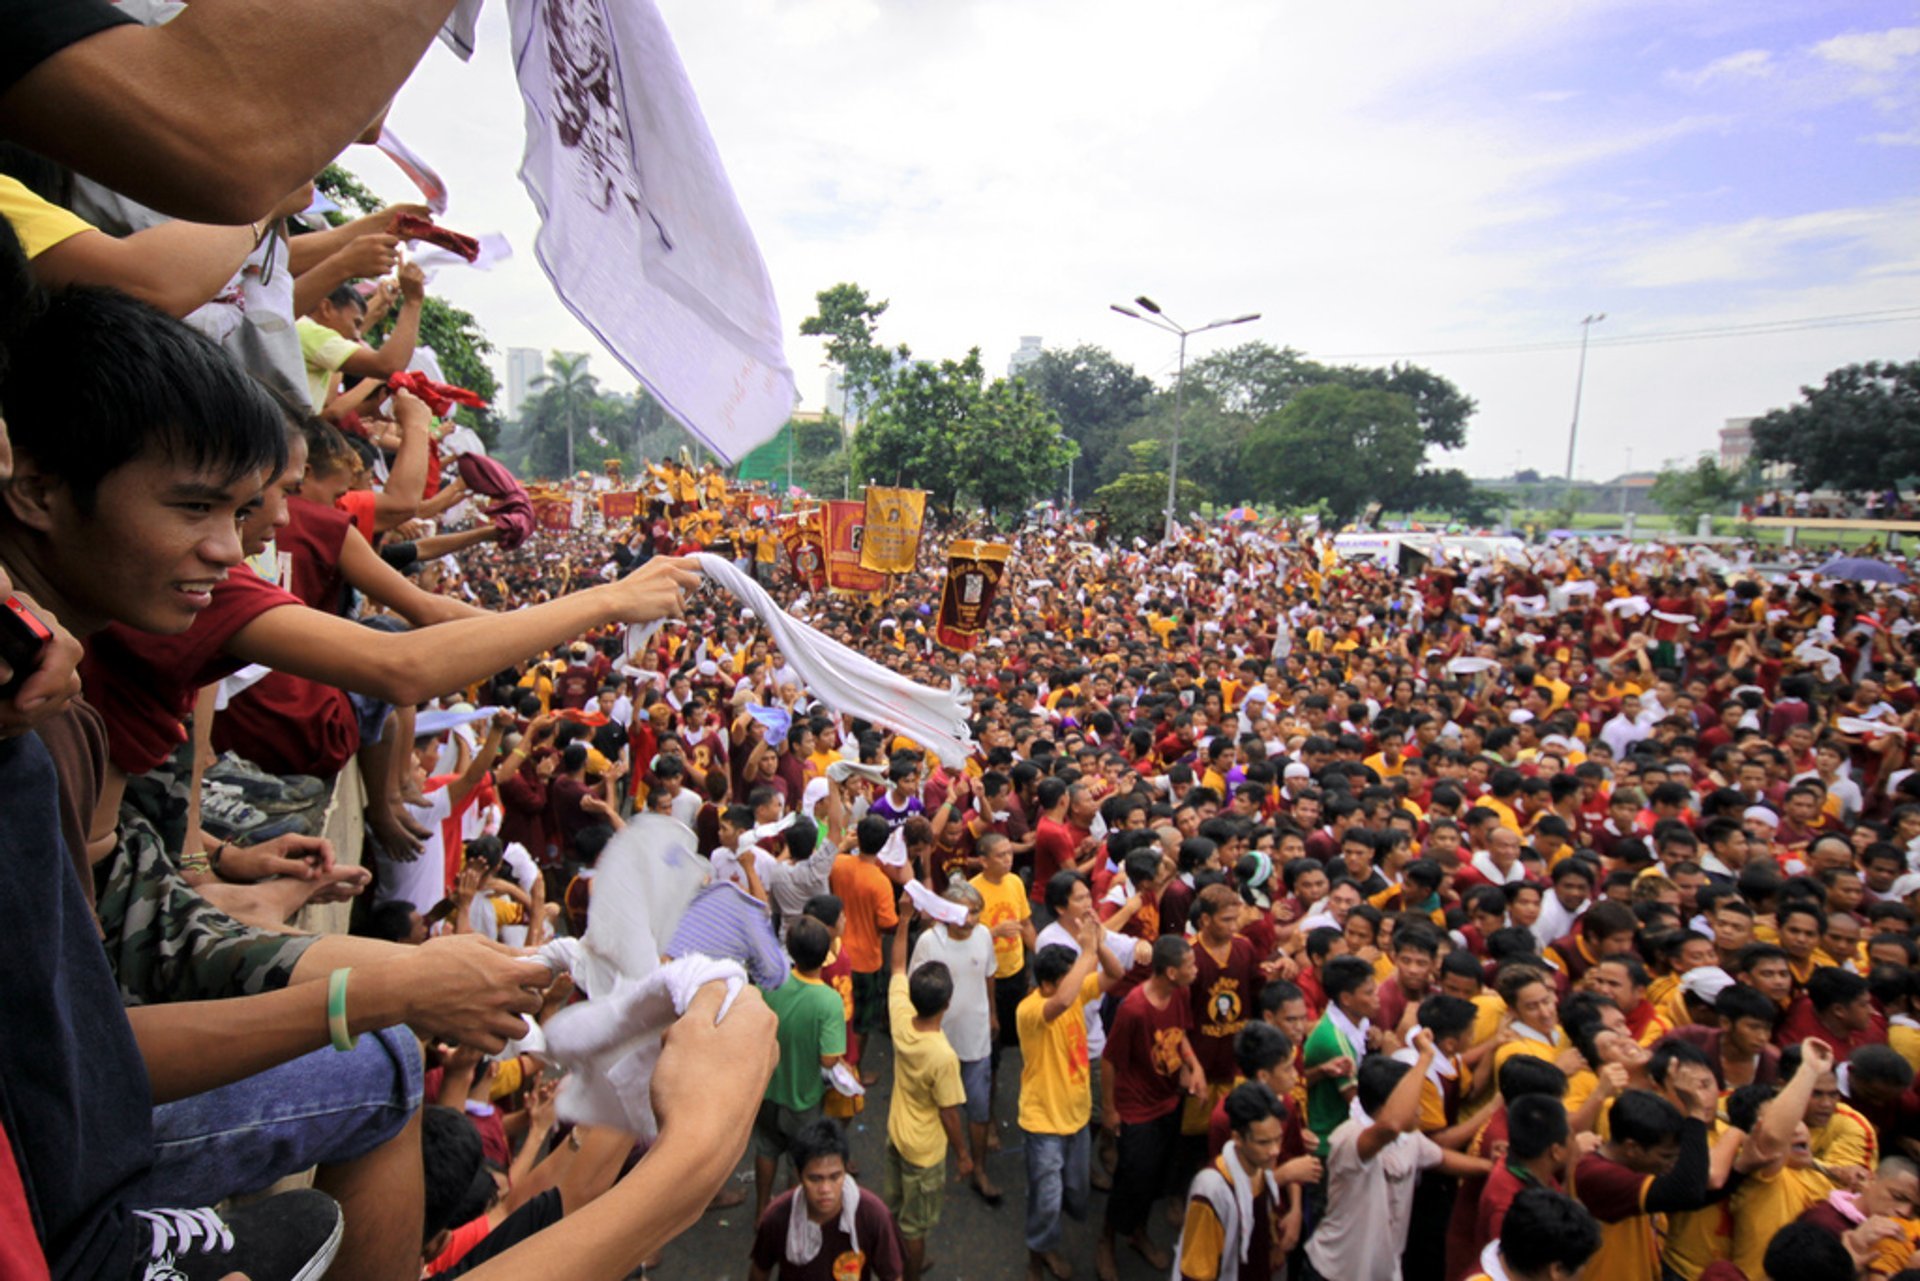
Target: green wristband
(337, 1009)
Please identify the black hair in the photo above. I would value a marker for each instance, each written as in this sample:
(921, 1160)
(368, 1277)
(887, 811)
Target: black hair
(1738, 1001)
(1743, 1104)
(808, 943)
(1829, 985)
(1170, 952)
(1344, 974)
(872, 834)
(1535, 1123)
(392, 921)
(817, 1138)
(1445, 1015)
(1378, 1076)
(1543, 1228)
(930, 988)
(1059, 889)
(97, 379)
(1259, 1046)
(1277, 993)
(1052, 963)
(1249, 1104)
(1523, 1074)
(1807, 1252)
(1643, 1117)
(450, 1149)
(825, 908)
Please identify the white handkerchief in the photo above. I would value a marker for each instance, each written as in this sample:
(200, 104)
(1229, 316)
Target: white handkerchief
(943, 910)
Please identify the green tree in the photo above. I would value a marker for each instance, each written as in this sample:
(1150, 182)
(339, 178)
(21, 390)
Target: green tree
(560, 414)
(1135, 504)
(1451, 492)
(1094, 395)
(941, 428)
(848, 319)
(1688, 493)
(1860, 429)
(1333, 444)
(1259, 379)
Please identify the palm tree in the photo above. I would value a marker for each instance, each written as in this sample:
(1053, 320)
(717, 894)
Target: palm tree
(570, 391)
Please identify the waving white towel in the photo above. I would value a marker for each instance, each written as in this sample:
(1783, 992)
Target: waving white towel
(845, 680)
(804, 1237)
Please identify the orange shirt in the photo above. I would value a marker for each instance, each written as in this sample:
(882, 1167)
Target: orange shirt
(867, 896)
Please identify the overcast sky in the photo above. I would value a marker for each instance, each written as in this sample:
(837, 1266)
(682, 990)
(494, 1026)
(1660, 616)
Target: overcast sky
(1379, 180)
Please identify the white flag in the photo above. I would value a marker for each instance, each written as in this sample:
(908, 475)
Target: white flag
(640, 232)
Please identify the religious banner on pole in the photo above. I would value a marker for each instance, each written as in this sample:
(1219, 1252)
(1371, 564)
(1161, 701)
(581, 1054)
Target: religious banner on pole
(800, 535)
(620, 507)
(554, 514)
(893, 521)
(845, 534)
(974, 571)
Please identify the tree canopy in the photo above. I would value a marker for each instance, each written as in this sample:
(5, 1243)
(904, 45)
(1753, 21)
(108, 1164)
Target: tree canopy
(1336, 446)
(1860, 429)
(943, 428)
(1095, 396)
(1689, 493)
(848, 319)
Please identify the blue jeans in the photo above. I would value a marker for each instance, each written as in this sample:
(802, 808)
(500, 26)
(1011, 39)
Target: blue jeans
(1057, 1172)
(321, 1109)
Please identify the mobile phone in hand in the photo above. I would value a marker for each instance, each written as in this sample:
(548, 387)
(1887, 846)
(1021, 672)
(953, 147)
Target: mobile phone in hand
(23, 639)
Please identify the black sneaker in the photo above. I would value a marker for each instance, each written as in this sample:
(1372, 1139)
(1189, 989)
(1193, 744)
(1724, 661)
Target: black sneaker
(289, 1237)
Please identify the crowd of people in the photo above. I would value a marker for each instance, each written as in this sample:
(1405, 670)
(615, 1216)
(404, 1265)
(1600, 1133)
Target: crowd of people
(1524, 919)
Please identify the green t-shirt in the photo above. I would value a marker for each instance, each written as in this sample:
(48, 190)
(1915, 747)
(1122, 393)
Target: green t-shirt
(813, 1022)
(1326, 1106)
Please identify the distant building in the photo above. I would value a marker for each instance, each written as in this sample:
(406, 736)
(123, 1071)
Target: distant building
(524, 364)
(1024, 356)
(1736, 444)
(836, 401)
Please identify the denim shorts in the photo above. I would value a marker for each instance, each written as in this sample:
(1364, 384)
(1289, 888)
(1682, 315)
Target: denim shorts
(320, 1109)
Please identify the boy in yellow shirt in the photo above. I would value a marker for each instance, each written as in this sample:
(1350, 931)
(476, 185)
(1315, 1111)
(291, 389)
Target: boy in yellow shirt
(927, 1093)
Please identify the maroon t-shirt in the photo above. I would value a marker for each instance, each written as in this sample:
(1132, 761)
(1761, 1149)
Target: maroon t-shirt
(144, 684)
(1143, 1053)
(1052, 852)
(311, 543)
(879, 1254)
(1224, 996)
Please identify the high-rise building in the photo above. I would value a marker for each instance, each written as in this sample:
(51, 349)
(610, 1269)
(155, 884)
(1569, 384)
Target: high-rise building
(524, 364)
(836, 395)
(1024, 355)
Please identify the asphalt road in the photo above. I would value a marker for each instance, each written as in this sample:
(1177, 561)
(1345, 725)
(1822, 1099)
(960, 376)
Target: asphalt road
(974, 1241)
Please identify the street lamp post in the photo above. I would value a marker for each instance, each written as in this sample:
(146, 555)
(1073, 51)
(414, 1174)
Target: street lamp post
(1160, 320)
(1579, 380)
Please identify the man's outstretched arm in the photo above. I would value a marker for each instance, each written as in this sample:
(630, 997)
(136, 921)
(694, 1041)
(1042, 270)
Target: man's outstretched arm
(218, 114)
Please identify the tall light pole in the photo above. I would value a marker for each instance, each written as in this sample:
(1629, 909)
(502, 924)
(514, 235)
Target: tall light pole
(1160, 320)
(1579, 380)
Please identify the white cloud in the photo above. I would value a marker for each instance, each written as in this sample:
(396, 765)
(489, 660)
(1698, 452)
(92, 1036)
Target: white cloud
(1748, 64)
(1356, 175)
(1878, 52)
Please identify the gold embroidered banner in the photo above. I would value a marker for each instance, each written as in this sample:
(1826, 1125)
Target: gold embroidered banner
(894, 518)
(974, 571)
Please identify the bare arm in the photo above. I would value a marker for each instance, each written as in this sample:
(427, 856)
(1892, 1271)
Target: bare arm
(213, 116)
(696, 1151)
(176, 266)
(450, 493)
(437, 545)
(407, 479)
(371, 575)
(1400, 1114)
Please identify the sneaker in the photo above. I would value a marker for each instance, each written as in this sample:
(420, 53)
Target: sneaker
(274, 793)
(225, 812)
(289, 1237)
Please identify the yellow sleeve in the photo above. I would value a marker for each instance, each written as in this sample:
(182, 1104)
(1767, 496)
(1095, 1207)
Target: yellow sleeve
(38, 223)
(1849, 1145)
(1433, 1108)
(1202, 1241)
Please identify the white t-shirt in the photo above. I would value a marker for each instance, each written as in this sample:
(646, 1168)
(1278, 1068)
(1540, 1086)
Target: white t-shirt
(421, 881)
(685, 806)
(1121, 945)
(969, 1022)
(1369, 1204)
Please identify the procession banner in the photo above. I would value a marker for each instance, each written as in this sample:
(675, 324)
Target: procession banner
(800, 535)
(974, 571)
(845, 534)
(762, 508)
(894, 518)
(554, 514)
(620, 508)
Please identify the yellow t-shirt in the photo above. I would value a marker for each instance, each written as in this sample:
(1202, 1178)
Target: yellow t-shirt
(1378, 764)
(926, 1078)
(325, 352)
(1055, 1086)
(1004, 902)
(1697, 1238)
(1766, 1202)
(39, 224)
(1906, 1043)
(1487, 1009)
(1847, 1139)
